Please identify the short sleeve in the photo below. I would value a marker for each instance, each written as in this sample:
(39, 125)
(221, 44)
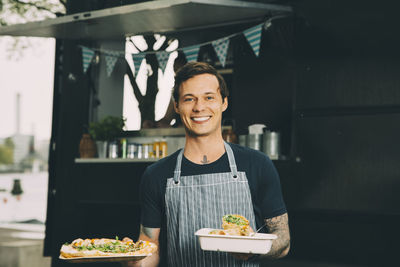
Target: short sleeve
(269, 193)
(150, 200)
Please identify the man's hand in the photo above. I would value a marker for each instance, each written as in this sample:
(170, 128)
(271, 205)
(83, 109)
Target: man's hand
(152, 235)
(243, 256)
(280, 247)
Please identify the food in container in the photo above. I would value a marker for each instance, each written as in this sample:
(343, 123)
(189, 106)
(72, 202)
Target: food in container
(236, 236)
(235, 224)
(257, 244)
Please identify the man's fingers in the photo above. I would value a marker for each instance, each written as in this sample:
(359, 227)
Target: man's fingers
(241, 256)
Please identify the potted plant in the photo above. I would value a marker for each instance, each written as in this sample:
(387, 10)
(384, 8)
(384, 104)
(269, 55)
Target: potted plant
(104, 131)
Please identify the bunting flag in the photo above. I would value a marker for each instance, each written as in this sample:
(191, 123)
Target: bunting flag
(191, 52)
(221, 48)
(87, 56)
(253, 36)
(137, 61)
(111, 59)
(162, 58)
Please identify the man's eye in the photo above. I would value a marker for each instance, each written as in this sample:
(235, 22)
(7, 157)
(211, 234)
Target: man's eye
(210, 97)
(187, 99)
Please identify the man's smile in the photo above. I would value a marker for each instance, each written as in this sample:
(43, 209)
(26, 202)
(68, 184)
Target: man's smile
(201, 119)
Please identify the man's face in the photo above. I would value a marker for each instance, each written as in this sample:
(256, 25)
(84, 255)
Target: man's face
(200, 105)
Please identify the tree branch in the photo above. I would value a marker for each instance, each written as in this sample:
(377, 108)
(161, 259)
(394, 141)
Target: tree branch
(136, 90)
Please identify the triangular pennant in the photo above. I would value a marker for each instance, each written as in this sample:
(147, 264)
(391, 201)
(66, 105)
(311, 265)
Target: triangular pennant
(111, 59)
(162, 58)
(87, 56)
(137, 61)
(191, 52)
(253, 36)
(221, 48)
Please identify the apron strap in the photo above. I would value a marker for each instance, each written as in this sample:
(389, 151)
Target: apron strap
(231, 159)
(177, 171)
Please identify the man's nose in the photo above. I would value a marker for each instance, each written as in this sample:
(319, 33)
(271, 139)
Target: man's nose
(199, 105)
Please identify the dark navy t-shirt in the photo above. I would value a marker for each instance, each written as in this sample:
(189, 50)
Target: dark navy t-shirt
(261, 174)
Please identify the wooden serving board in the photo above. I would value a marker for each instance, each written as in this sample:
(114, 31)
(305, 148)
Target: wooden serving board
(104, 258)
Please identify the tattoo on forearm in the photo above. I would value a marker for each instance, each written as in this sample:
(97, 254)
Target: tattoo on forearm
(279, 226)
(204, 161)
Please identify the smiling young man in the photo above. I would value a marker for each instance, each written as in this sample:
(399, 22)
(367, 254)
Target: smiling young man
(195, 187)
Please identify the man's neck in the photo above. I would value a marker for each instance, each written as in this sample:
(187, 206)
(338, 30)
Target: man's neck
(204, 149)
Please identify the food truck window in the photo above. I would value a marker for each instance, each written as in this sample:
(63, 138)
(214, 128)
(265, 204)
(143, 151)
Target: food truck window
(147, 93)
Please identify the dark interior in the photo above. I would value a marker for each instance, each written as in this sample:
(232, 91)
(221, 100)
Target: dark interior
(327, 78)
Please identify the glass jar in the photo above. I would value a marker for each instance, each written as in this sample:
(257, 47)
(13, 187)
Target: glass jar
(146, 151)
(131, 151)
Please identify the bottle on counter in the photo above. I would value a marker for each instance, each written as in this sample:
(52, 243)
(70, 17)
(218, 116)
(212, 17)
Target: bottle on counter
(113, 150)
(124, 145)
(147, 151)
(163, 148)
(139, 151)
(156, 148)
(87, 147)
(131, 151)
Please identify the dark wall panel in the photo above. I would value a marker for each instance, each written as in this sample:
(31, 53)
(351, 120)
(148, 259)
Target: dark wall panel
(348, 163)
(348, 82)
(262, 90)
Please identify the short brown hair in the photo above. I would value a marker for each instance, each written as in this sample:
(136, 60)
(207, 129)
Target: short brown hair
(191, 69)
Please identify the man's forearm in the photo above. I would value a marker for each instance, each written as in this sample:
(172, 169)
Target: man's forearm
(280, 246)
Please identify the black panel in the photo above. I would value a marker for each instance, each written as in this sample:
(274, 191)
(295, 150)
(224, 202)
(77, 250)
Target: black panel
(104, 219)
(344, 238)
(348, 163)
(112, 181)
(348, 82)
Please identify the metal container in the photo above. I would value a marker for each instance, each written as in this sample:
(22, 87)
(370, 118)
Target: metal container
(271, 145)
(254, 141)
(243, 140)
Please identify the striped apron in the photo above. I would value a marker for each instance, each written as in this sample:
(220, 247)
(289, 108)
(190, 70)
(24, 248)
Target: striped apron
(200, 201)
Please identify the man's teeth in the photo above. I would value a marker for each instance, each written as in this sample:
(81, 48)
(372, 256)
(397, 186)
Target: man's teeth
(201, 118)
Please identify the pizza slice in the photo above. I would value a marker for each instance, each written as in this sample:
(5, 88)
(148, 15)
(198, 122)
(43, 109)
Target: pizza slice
(99, 247)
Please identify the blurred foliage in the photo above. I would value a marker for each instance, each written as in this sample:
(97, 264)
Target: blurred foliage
(7, 152)
(18, 11)
(107, 129)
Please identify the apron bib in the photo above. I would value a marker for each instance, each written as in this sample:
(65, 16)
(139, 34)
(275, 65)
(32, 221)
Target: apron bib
(200, 201)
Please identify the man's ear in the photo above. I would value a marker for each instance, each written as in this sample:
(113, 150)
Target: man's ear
(176, 107)
(225, 104)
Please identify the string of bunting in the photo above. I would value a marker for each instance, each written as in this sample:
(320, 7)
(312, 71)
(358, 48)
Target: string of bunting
(253, 36)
